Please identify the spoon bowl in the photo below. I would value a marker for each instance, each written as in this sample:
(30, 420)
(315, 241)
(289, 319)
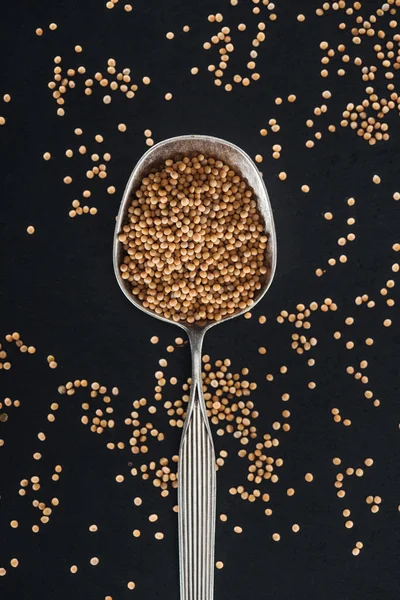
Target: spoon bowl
(196, 467)
(235, 157)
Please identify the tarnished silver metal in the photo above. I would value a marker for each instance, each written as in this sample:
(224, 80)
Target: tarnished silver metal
(196, 467)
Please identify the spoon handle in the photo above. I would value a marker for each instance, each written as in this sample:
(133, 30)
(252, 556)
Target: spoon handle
(196, 494)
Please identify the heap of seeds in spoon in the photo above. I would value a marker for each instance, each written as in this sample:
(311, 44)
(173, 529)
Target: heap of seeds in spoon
(194, 243)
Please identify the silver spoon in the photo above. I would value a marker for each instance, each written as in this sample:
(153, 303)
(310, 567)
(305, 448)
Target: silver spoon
(196, 467)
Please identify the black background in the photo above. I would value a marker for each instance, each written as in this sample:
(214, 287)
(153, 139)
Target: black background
(58, 290)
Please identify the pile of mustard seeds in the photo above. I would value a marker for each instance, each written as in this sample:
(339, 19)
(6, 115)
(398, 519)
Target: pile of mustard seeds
(195, 242)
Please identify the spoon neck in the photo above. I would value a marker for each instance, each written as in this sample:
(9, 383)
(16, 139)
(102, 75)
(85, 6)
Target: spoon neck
(196, 337)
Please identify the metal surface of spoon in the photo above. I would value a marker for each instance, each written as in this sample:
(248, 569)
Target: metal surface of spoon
(197, 466)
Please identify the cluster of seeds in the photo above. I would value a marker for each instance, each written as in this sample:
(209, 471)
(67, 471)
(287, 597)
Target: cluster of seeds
(163, 474)
(262, 465)
(372, 501)
(227, 398)
(29, 487)
(226, 395)
(338, 418)
(98, 169)
(101, 419)
(223, 40)
(342, 241)
(143, 431)
(14, 338)
(368, 118)
(194, 244)
(111, 81)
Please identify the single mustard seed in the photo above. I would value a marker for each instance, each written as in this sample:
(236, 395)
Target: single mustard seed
(153, 518)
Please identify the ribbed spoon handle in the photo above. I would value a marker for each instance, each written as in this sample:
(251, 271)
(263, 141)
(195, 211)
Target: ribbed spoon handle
(196, 498)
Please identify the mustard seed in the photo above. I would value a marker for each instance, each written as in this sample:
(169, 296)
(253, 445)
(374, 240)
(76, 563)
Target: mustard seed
(200, 268)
